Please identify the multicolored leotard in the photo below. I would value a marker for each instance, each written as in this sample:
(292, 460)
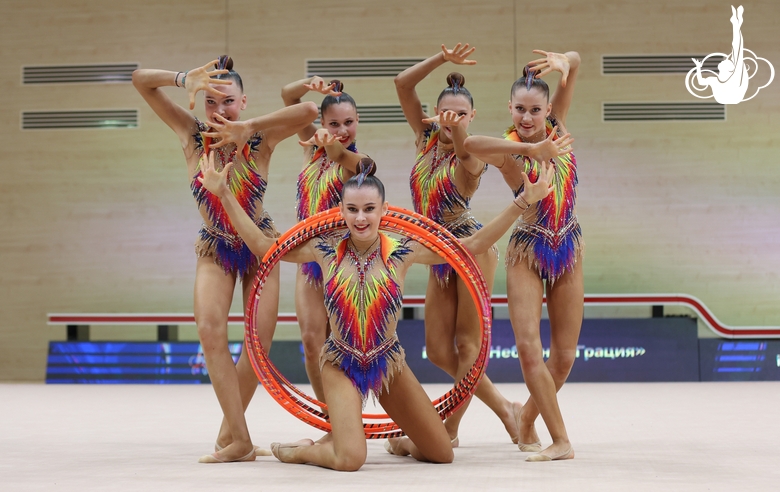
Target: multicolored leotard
(363, 299)
(319, 189)
(548, 234)
(217, 238)
(435, 195)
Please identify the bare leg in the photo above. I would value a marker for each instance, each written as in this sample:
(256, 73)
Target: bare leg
(409, 406)
(468, 341)
(565, 308)
(267, 313)
(441, 305)
(347, 450)
(313, 320)
(524, 289)
(213, 296)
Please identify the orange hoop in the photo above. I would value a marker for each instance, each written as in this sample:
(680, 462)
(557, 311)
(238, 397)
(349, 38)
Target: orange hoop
(400, 221)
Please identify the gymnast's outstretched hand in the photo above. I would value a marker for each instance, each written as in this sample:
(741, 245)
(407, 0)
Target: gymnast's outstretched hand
(224, 132)
(534, 192)
(211, 179)
(318, 84)
(321, 138)
(552, 62)
(550, 147)
(446, 118)
(459, 54)
(202, 79)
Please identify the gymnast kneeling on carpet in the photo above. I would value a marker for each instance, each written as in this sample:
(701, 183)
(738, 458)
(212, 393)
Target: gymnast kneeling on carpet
(363, 274)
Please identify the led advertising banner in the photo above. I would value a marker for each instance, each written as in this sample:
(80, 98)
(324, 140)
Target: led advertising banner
(655, 349)
(151, 362)
(744, 360)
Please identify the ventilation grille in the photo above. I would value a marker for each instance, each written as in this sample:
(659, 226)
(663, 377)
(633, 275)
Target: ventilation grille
(659, 111)
(113, 118)
(67, 74)
(378, 67)
(381, 114)
(654, 64)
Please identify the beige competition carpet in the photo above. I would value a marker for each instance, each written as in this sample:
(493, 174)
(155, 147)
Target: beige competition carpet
(627, 437)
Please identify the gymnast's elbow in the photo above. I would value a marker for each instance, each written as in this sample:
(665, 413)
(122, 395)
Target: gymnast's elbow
(475, 245)
(257, 245)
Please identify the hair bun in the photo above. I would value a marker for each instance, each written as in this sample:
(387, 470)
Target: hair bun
(456, 79)
(338, 86)
(366, 167)
(224, 63)
(526, 70)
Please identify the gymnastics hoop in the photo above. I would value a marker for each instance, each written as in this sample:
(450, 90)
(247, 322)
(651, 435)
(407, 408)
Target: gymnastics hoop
(400, 221)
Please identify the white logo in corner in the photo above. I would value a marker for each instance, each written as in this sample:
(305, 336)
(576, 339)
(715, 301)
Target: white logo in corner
(730, 84)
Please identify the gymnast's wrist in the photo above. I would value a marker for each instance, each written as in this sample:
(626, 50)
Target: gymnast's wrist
(521, 202)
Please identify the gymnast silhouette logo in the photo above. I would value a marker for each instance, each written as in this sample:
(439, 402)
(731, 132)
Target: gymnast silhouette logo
(730, 84)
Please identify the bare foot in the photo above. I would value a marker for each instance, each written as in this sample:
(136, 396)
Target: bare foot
(512, 425)
(287, 452)
(555, 452)
(395, 446)
(236, 451)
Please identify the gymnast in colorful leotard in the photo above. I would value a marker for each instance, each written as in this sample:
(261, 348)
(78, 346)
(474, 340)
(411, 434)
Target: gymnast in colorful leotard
(330, 158)
(546, 245)
(222, 255)
(443, 180)
(363, 276)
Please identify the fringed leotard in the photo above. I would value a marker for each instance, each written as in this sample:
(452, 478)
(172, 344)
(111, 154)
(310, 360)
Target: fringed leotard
(363, 299)
(319, 189)
(435, 195)
(217, 238)
(548, 235)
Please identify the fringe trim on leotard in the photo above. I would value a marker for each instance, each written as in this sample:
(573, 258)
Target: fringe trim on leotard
(370, 372)
(551, 254)
(229, 251)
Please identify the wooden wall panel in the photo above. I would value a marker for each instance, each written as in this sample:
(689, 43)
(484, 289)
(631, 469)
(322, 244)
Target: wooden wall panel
(102, 220)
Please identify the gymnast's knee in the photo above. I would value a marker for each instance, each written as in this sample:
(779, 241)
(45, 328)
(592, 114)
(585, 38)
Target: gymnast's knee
(312, 344)
(212, 335)
(440, 354)
(560, 364)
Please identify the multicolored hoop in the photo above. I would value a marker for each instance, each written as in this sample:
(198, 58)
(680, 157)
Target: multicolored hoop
(400, 221)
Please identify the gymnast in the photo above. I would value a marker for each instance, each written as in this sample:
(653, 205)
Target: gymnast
(222, 255)
(330, 158)
(363, 273)
(545, 247)
(443, 180)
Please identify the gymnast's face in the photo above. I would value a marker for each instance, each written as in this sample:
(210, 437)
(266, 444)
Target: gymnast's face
(529, 110)
(363, 209)
(341, 120)
(228, 106)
